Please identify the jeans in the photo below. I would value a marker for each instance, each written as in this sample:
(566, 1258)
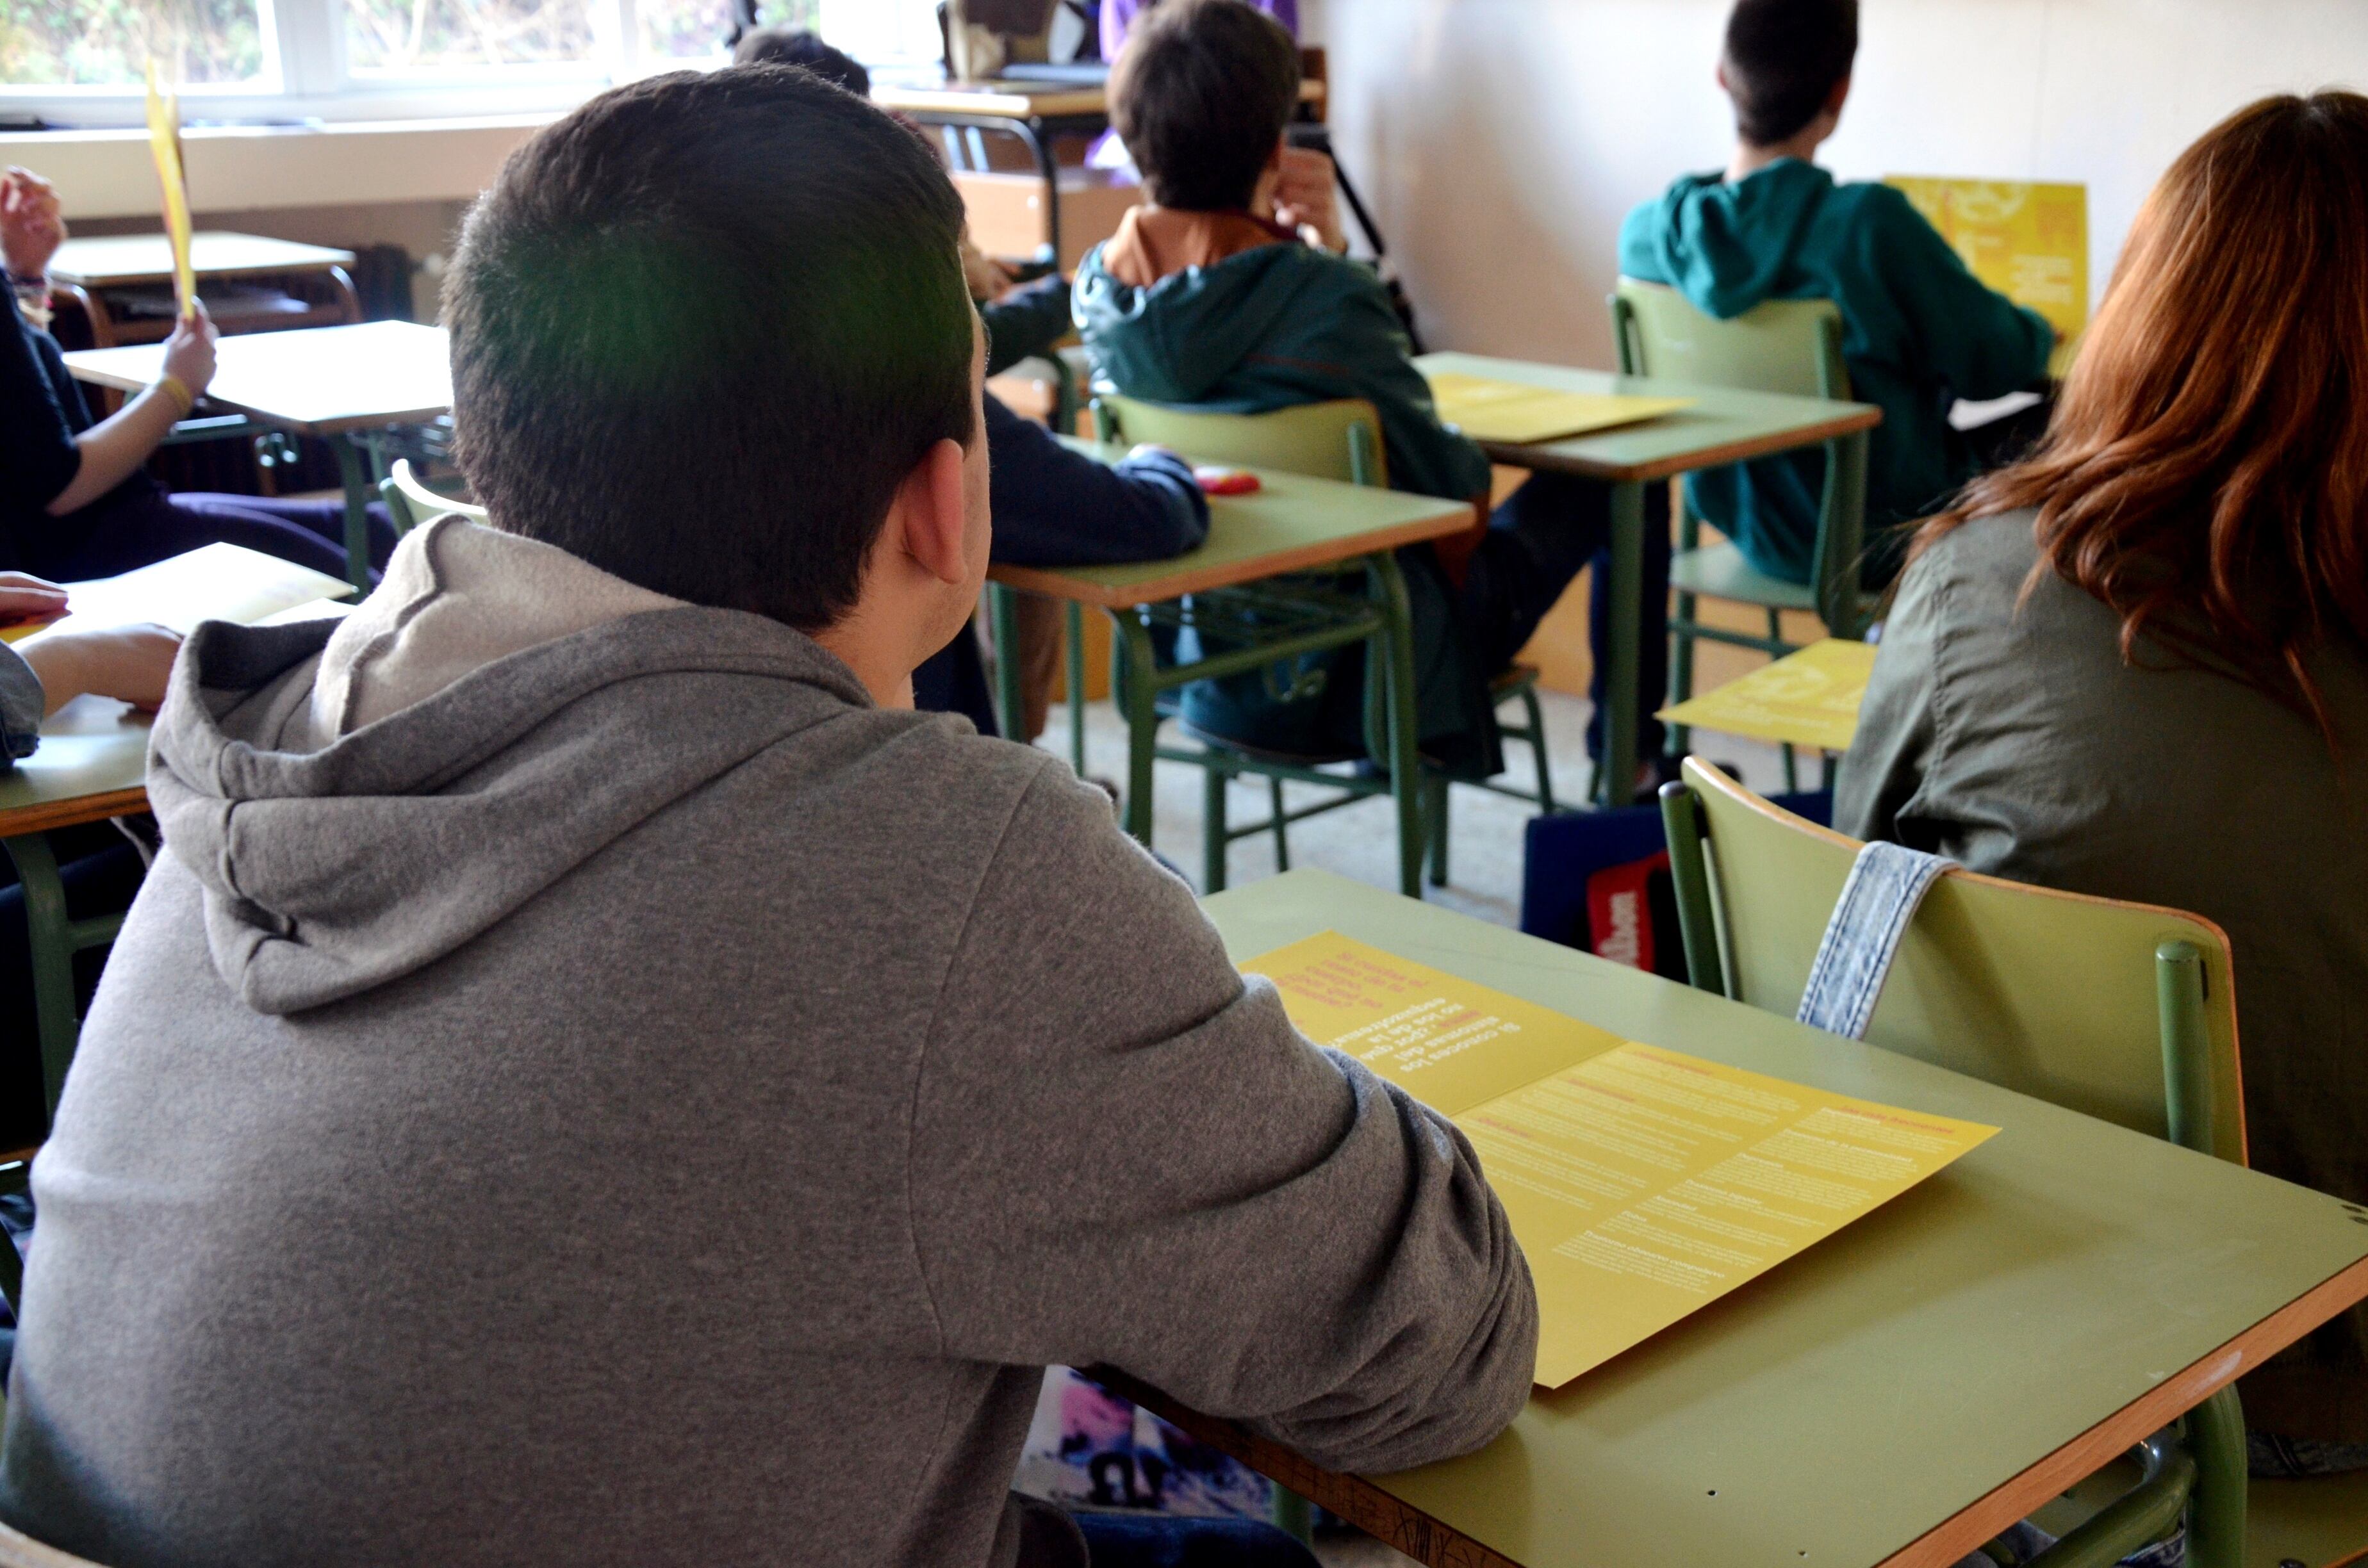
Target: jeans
(1542, 536)
(1154, 1541)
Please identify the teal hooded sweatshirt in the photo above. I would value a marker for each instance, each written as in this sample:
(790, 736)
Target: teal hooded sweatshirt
(1919, 332)
(1271, 329)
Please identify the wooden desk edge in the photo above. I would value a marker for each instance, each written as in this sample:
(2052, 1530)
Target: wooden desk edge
(47, 815)
(1407, 1529)
(1539, 458)
(1054, 583)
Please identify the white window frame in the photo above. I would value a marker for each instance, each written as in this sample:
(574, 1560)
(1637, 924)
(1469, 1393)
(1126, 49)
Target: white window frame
(306, 76)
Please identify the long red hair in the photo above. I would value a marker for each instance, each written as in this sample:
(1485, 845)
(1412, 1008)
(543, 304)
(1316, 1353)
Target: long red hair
(2205, 471)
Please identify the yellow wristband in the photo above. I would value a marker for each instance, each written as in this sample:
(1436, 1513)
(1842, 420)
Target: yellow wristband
(178, 391)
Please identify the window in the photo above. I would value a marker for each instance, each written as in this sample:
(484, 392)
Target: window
(82, 62)
(445, 36)
(76, 43)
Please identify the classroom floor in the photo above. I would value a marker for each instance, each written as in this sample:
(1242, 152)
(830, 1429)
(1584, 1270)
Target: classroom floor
(1360, 841)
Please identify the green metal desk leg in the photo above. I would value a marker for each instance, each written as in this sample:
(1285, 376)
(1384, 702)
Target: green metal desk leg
(1137, 699)
(2215, 1518)
(353, 472)
(54, 938)
(1076, 672)
(1616, 780)
(1406, 763)
(1002, 622)
(1290, 1513)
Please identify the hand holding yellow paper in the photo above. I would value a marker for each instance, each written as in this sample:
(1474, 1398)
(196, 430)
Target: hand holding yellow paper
(164, 146)
(1491, 410)
(1807, 698)
(1643, 1182)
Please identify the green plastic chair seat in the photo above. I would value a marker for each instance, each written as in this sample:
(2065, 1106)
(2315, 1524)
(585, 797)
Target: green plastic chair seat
(1720, 571)
(2320, 1523)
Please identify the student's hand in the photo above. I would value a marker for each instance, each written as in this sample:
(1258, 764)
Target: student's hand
(24, 596)
(190, 353)
(32, 224)
(1307, 198)
(130, 664)
(986, 277)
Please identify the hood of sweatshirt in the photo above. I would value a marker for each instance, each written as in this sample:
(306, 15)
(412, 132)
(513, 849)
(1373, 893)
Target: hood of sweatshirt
(334, 863)
(1174, 340)
(1726, 247)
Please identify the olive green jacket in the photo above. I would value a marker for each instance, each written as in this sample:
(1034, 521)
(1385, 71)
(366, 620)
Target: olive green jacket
(2016, 741)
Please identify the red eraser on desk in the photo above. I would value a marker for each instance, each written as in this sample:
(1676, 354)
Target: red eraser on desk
(1215, 480)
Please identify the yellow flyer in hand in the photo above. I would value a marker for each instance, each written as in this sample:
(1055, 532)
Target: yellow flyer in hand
(1490, 409)
(164, 146)
(1807, 698)
(1644, 1183)
(2028, 241)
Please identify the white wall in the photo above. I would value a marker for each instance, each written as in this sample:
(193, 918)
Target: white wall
(1500, 142)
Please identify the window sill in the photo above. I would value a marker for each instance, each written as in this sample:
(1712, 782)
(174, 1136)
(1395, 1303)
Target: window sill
(107, 174)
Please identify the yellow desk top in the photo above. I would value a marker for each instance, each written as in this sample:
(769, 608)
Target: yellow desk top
(1896, 1394)
(319, 380)
(1807, 698)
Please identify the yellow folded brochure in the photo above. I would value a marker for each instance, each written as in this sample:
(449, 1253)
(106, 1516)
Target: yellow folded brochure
(2028, 240)
(1808, 699)
(1491, 410)
(1644, 1184)
(172, 182)
(216, 581)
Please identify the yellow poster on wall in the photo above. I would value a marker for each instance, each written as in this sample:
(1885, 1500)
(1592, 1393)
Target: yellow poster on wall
(165, 147)
(2028, 241)
(1644, 1183)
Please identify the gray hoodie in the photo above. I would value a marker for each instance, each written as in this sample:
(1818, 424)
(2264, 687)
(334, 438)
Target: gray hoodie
(640, 1103)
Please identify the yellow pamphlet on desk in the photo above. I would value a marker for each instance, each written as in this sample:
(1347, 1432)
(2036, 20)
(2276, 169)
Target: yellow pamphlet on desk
(215, 582)
(1490, 409)
(1643, 1182)
(2028, 240)
(1807, 698)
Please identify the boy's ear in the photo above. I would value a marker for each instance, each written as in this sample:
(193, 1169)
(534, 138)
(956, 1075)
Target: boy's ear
(1718, 74)
(931, 506)
(1835, 99)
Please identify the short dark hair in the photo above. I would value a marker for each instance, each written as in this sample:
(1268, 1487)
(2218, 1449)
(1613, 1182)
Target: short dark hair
(804, 48)
(703, 328)
(1201, 94)
(1782, 59)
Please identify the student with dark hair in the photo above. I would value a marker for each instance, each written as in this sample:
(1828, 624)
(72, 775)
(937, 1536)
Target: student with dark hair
(75, 498)
(2135, 664)
(1227, 291)
(804, 48)
(591, 1066)
(1918, 331)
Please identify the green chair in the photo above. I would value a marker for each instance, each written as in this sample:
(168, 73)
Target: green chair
(411, 500)
(1792, 347)
(2122, 1011)
(1337, 440)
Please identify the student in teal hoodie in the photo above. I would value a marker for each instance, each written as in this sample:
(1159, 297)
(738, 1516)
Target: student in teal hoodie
(1227, 291)
(1918, 331)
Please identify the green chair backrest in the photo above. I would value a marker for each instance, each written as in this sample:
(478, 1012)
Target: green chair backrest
(1339, 439)
(1778, 345)
(2053, 995)
(405, 492)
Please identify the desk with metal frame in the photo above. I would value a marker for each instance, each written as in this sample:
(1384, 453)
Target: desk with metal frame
(1723, 426)
(1900, 1393)
(1291, 524)
(355, 387)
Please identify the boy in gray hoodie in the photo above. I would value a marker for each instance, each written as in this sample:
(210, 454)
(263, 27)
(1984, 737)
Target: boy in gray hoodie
(594, 1077)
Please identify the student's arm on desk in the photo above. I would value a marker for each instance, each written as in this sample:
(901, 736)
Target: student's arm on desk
(1123, 1154)
(1978, 341)
(1055, 507)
